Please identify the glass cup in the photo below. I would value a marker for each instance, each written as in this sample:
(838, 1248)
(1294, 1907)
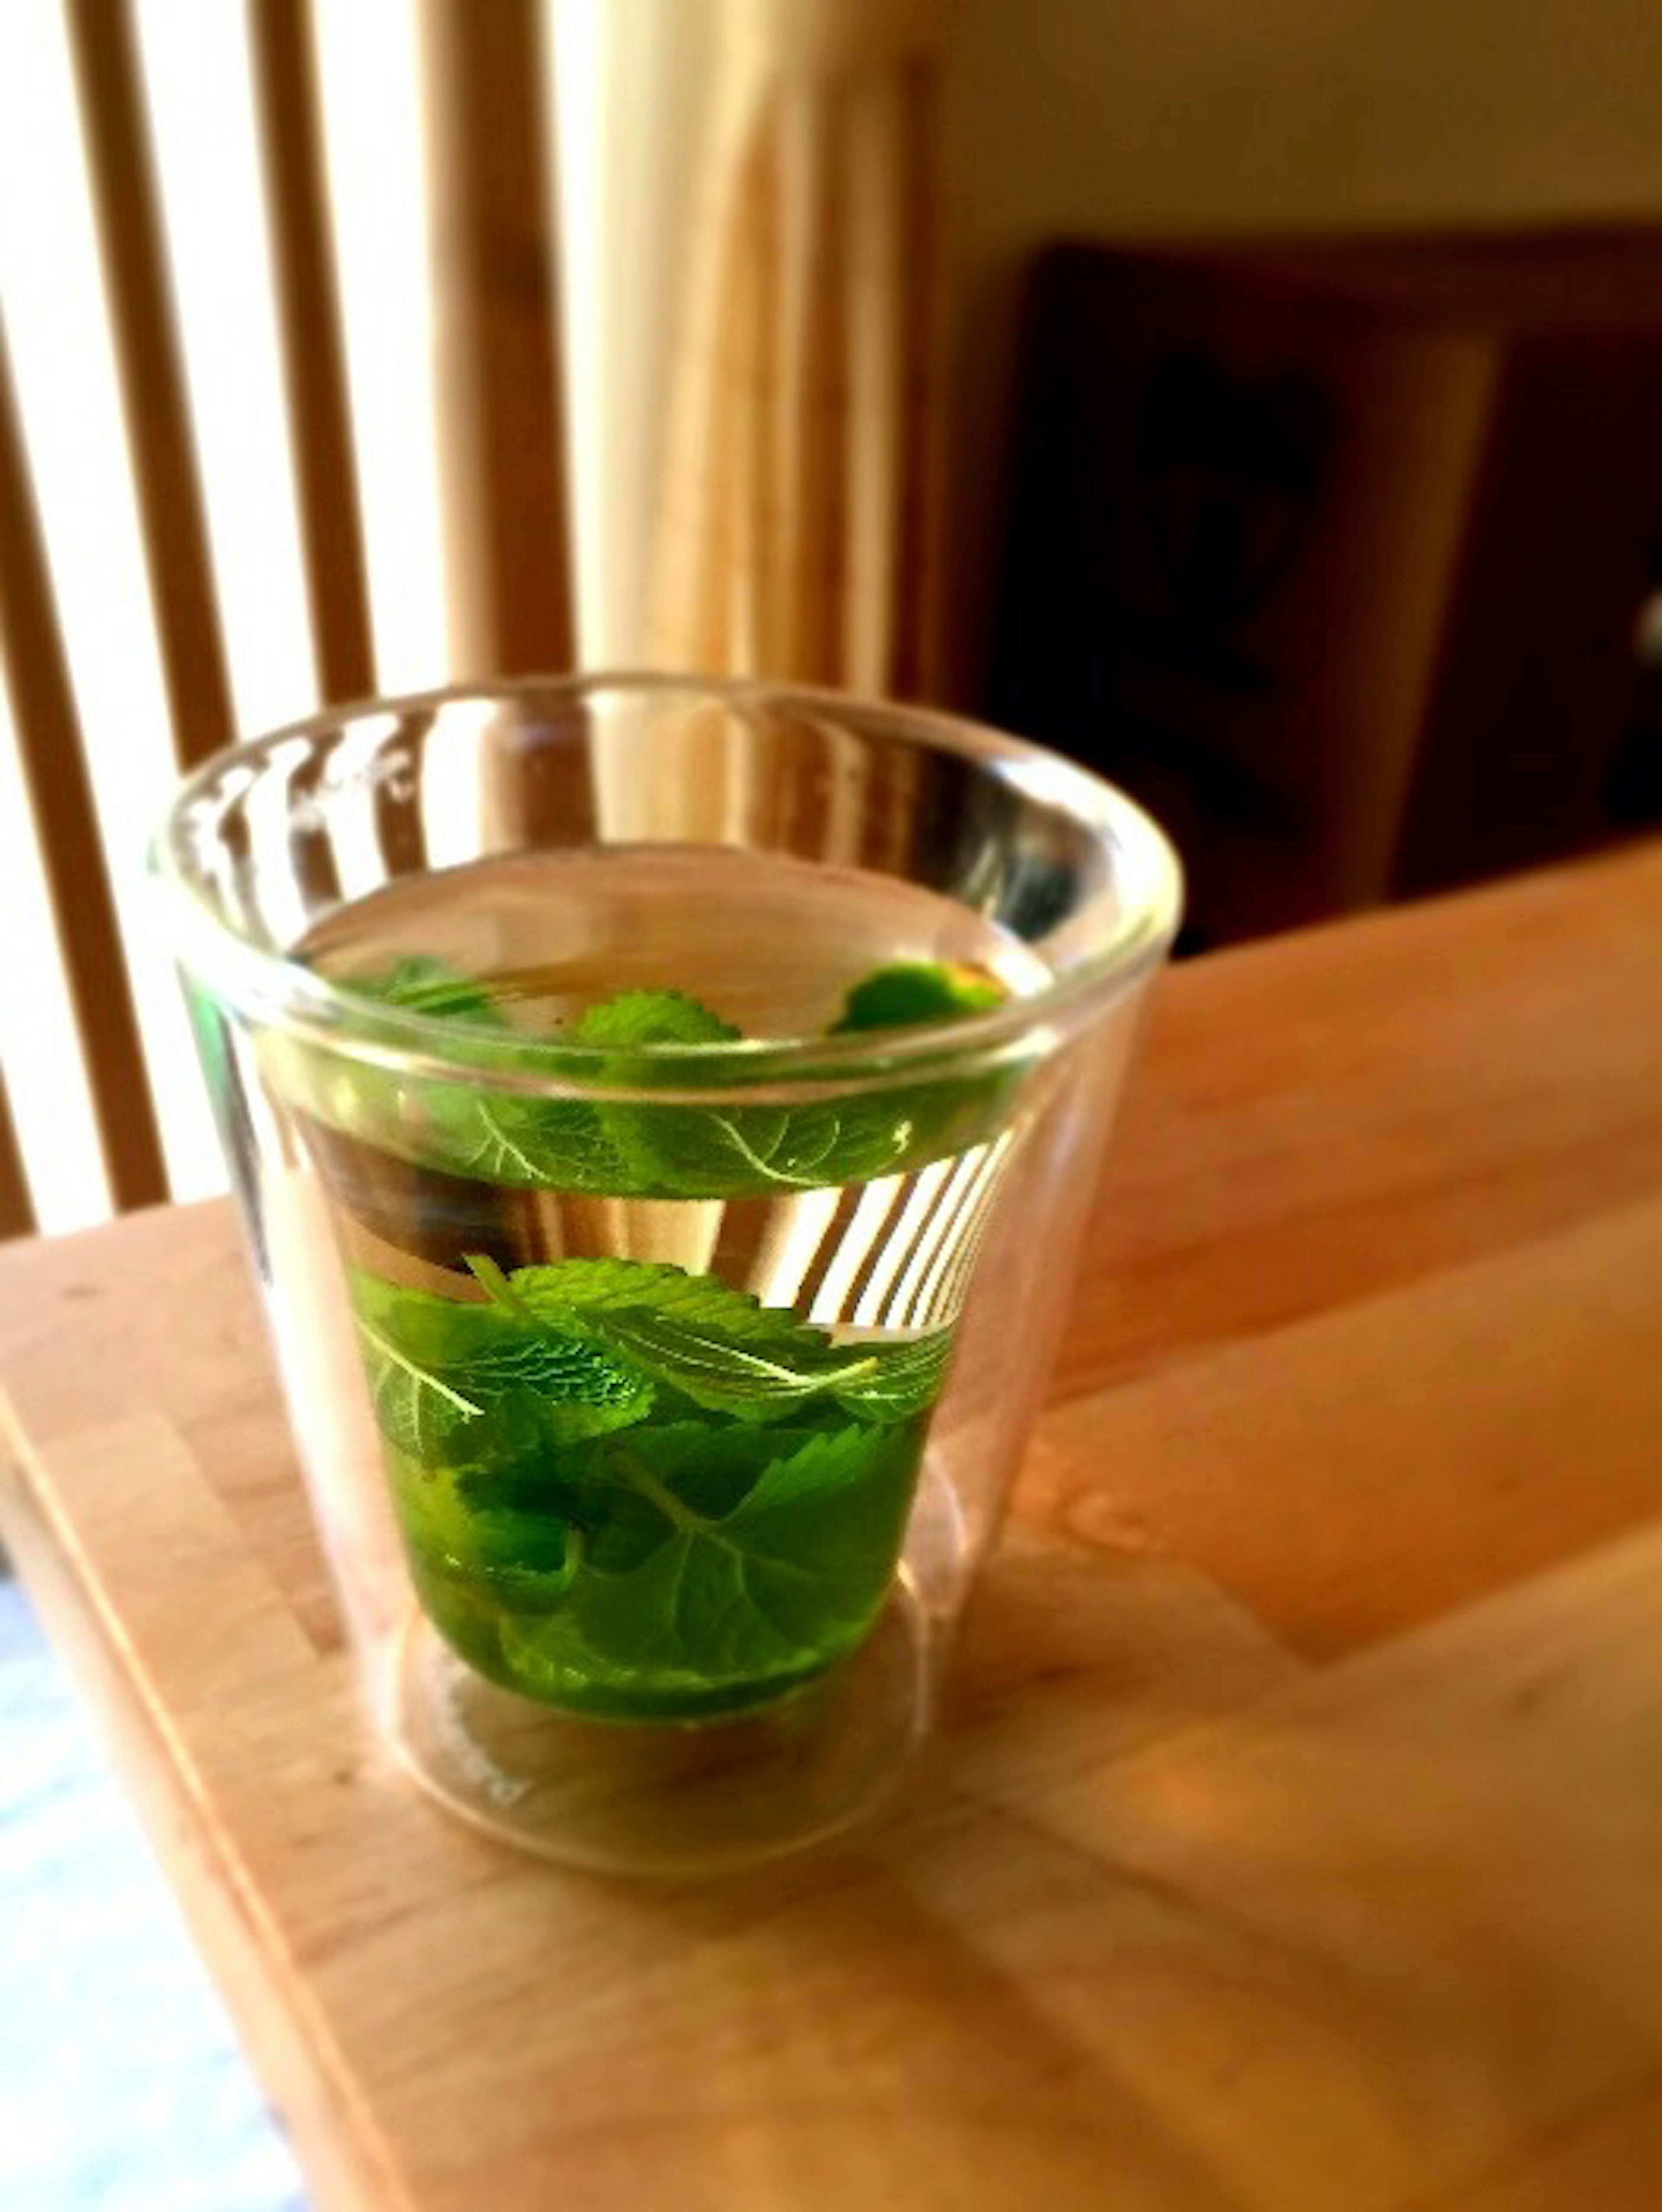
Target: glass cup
(664, 1113)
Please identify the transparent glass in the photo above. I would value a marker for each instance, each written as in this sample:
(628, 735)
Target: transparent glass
(664, 1113)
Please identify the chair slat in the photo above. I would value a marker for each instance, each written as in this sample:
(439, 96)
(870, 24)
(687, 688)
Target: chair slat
(918, 570)
(502, 460)
(109, 85)
(282, 47)
(54, 763)
(16, 1208)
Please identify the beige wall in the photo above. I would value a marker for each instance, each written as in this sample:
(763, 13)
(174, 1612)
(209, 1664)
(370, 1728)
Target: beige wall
(1147, 117)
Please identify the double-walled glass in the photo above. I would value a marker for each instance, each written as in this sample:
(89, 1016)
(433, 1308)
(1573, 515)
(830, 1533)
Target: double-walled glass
(665, 1114)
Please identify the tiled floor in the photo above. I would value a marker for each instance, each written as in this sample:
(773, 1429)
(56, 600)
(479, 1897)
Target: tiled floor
(121, 2089)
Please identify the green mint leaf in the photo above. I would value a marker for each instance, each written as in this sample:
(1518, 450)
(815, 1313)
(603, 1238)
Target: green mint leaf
(838, 1505)
(771, 1152)
(745, 1381)
(522, 1143)
(687, 1151)
(634, 1019)
(418, 1409)
(468, 1129)
(706, 1466)
(747, 1150)
(454, 1385)
(758, 1151)
(906, 1380)
(426, 986)
(642, 1149)
(508, 1540)
(776, 1587)
(561, 1290)
(909, 991)
(717, 1346)
(632, 1489)
(471, 1560)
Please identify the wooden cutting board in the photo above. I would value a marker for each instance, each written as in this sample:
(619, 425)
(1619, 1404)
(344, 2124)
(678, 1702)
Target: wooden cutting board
(1296, 1842)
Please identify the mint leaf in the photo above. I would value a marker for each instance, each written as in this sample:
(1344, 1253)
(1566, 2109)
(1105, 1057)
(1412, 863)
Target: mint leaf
(708, 1467)
(455, 1385)
(906, 1380)
(466, 1128)
(908, 991)
(419, 1410)
(562, 1144)
(426, 986)
(564, 1289)
(709, 1152)
(690, 1150)
(634, 1019)
(838, 1507)
(746, 1381)
(503, 1137)
(760, 1151)
(470, 1561)
(717, 1346)
(474, 1129)
(776, 1586)
(770, 1152)
(749, 1150)
(469, 1129)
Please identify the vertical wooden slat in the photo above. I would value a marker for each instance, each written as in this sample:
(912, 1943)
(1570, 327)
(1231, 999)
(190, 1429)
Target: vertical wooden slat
(54, 765)
(282, 46)
(754, 490)
(805, 259)
(16, 1210)
(703, 611)
(502, 457)
(880, 283)
(109, 85)
(919, 569)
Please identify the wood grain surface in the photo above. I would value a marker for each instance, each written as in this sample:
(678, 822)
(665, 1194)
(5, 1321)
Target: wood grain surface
(1295, 1845)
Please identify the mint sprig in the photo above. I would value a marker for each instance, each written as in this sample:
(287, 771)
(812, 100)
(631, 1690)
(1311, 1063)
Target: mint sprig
(638, 1148)
(622, 1484)
(594, 1337)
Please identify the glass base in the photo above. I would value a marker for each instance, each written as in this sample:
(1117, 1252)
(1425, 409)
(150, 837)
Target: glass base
(667, 1797)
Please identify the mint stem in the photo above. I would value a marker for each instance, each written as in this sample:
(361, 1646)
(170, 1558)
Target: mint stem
(497, 1287)
(641, 1480)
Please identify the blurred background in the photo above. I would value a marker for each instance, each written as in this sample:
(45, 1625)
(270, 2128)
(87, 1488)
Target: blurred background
(1258, 402)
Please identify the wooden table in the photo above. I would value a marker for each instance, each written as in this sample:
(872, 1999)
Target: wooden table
(1298, 1840)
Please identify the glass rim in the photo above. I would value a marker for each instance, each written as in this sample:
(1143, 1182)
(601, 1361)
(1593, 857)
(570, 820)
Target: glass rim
(274, 986)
